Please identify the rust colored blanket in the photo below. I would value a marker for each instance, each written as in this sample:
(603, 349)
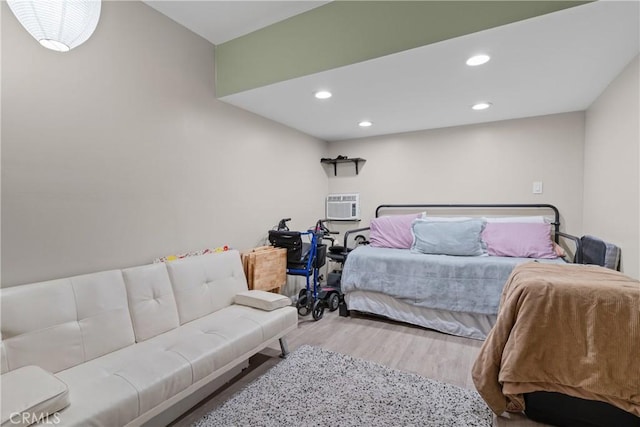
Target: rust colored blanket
(572, 329)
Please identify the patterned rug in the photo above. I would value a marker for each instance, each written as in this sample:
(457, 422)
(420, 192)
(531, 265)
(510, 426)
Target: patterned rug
(316, 387)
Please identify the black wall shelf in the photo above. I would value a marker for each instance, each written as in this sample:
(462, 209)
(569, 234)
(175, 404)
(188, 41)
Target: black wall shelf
(356, 161)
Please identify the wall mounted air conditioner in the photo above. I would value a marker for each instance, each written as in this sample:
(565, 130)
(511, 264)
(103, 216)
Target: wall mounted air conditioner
(343, 206)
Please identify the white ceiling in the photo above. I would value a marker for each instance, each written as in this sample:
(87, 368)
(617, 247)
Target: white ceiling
(220, 21)
(550, 64)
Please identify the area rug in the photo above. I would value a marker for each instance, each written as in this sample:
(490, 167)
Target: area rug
(317, 387)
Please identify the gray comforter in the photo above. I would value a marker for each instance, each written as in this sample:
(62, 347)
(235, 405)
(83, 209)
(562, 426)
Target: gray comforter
(453, 283)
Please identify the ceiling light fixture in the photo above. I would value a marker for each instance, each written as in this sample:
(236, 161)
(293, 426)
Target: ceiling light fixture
(481, 106)
(59, 25)
(478, 60)
(365, 124)
(323, 94)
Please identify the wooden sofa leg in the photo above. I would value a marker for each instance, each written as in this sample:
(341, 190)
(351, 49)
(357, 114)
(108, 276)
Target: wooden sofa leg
(284, 348)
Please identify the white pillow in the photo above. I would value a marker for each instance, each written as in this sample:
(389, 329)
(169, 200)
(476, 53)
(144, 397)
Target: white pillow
(522, 219)
(445, 218)
(266, 301)
(31, 393)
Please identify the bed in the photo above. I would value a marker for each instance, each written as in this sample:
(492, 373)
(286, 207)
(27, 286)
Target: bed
(567, 336)
(454, 294)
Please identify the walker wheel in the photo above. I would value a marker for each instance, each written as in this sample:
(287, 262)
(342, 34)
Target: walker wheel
(303, 303)
(334, 302)
(318, 310)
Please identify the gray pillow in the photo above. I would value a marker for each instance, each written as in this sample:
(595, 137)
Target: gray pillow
(460, 238)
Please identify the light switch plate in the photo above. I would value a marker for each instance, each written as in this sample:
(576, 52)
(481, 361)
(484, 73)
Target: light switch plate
(537, 187)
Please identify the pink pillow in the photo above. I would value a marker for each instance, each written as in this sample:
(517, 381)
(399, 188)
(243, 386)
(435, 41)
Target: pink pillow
(523, 240)
(392, 231)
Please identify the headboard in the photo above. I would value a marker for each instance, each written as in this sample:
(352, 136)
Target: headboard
(502, 209)
(481, 207)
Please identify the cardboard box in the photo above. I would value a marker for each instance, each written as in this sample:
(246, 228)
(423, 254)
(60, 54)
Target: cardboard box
(265, 268)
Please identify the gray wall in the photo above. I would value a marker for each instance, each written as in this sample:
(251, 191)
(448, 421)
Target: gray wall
(486, 163)
(118, 152)
(612, 161)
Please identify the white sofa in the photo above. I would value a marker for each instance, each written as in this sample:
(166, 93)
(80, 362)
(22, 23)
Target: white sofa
(133, 346)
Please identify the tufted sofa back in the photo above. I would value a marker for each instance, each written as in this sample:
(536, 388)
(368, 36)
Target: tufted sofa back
(151, 302)
(61, 323)
(206, 283)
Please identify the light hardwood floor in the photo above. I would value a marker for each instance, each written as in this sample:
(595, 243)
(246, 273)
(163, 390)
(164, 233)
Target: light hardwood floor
(399, 346)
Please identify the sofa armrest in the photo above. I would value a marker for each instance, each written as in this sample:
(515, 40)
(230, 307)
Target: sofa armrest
(30, 394)
(266, 301)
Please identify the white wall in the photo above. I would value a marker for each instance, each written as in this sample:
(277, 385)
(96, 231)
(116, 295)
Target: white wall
(611, 158)
(118, 152)
(487, 163)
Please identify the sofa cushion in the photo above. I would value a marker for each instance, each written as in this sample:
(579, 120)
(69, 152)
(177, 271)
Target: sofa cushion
(150, 370)
(207, 283)
(30, 393)
(271, 323)
(151, 302)
(98, 400)
(267, 301)
(156, 373)
(206, 352)
(60, 323)
(108, 390)
(211, 342)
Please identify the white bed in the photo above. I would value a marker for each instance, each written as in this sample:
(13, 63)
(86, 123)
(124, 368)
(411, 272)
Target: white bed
(457, 295)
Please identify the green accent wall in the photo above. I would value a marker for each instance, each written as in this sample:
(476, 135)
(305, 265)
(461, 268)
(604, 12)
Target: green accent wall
(346, 32)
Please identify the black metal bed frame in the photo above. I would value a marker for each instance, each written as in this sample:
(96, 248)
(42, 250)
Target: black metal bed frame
(555, 223)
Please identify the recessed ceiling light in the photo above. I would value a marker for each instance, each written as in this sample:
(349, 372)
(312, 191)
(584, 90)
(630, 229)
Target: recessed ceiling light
(478, 60)
(481, 105)
(323, 94)
(365, 124)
